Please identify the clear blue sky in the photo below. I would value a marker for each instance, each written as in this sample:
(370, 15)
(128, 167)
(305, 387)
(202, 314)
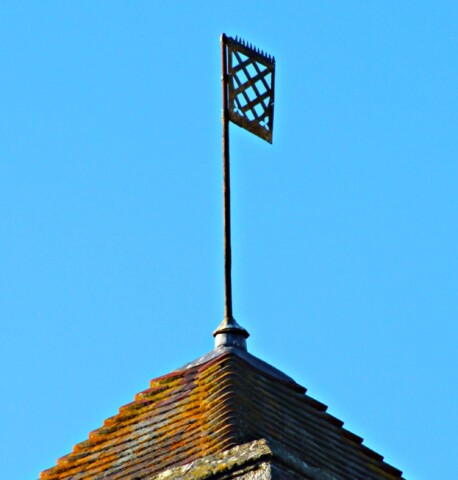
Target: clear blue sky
(345, 230)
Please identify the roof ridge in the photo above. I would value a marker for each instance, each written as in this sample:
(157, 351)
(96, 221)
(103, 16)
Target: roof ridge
(243, 354)
(222, 399)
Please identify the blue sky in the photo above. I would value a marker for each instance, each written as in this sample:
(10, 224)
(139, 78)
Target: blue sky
(344, 230)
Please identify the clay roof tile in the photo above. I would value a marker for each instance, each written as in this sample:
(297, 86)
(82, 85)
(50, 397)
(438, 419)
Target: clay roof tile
(224, 399)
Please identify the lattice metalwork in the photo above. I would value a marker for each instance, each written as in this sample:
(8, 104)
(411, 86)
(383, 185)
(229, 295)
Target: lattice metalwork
(251, 80)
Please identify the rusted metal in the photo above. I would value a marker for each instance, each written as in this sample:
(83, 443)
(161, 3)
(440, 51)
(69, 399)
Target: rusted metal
(251, 82)
(229, 333)
(226, 187)
(248, 77)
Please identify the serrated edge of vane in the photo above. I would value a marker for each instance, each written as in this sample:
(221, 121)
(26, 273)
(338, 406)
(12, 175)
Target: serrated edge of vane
(240, 41)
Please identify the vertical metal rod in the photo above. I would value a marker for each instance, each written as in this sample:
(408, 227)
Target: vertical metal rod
(226, 190)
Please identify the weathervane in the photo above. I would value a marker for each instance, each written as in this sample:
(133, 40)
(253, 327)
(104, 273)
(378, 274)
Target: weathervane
(248, 77)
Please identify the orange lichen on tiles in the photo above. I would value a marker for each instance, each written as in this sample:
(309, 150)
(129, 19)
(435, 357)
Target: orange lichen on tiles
(222, 401)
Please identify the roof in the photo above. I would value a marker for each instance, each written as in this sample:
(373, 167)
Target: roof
(222, 400)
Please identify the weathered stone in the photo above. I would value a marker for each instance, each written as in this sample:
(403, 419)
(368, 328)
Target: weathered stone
(258, 460)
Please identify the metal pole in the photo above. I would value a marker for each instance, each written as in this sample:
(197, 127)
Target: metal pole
(226, 190)
(229, 333)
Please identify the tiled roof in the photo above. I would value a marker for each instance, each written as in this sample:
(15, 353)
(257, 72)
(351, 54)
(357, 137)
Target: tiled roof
(222, 400)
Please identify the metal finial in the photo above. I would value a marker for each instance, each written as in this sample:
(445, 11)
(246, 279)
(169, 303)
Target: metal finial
(230, 334)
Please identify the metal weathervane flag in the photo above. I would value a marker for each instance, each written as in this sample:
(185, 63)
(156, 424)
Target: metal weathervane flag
(250, 83)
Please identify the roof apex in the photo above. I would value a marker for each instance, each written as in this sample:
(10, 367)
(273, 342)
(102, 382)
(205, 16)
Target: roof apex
(222, 400)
